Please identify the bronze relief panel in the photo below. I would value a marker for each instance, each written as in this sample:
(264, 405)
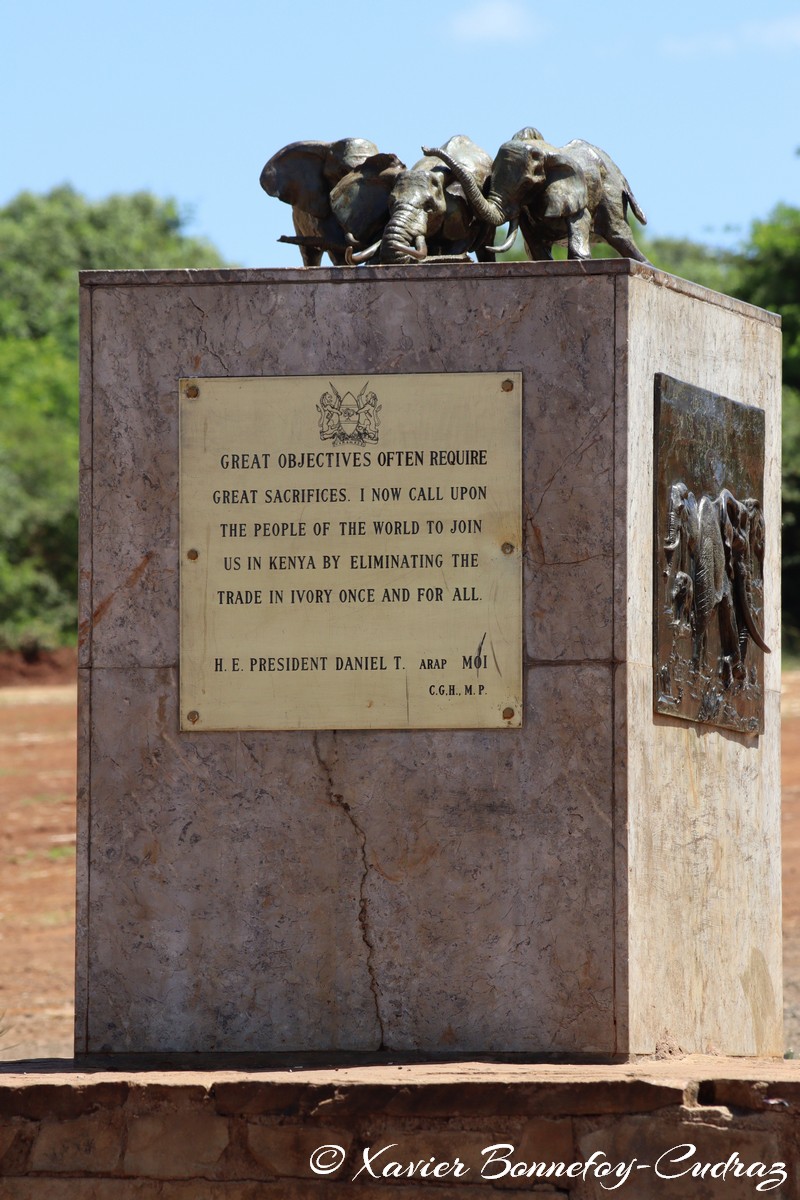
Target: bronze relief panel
(709, 558)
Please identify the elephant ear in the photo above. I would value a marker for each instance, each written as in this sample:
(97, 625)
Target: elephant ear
(296, 175)
(459, 219)
(481, 172)
(345, 155)
(566, 194)
(360, 201)
(735, 525)
(735, 519)
(757, 529)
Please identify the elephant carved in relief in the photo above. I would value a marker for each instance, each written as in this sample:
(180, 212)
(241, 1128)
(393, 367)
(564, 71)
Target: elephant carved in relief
(714, 552)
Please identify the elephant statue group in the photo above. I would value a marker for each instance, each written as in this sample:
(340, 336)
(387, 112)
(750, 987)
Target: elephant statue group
(714, 552)
(359, 205)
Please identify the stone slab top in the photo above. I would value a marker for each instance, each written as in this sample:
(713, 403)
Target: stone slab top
(62, 1089)
(208, 1070)
(414, 273)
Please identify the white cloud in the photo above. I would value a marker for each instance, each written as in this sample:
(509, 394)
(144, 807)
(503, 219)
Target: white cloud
(495, 21)
(779, 34)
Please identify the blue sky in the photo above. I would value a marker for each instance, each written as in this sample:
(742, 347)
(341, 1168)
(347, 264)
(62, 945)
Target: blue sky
(698, 102)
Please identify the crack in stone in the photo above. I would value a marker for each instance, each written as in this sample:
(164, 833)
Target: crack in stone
(541, 559)
(206, 346)
(336, 800)
(587, 441)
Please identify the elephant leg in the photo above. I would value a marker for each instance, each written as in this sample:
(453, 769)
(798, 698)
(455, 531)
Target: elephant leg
(539, 251)
(578, 245)
(480, 243)
(614, 229)
(307, 226)
(682, 600)
(538, 245)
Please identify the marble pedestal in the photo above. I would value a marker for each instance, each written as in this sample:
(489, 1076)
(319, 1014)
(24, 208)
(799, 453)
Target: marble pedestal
(599, 882)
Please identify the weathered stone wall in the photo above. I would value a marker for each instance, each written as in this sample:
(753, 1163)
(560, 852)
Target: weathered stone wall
(421, 891)
(703, 805)
(239, 1136)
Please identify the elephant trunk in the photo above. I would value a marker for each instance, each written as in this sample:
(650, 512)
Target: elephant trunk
(491, 209)
(404, 235)
(677, 509)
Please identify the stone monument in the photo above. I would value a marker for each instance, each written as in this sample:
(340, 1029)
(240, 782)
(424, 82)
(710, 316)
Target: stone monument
(408, 722)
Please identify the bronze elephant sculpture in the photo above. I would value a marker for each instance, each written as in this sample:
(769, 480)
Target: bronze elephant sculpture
(339, 193)
(429, 215)
(573, 195)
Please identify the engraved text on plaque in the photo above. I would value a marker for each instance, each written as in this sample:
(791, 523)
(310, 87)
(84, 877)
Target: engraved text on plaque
(351, 552)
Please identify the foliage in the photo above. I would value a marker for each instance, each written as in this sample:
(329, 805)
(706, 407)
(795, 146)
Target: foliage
(769, 276)
(38, 470)
(707, 265)
(46, 240)
(711, 267)
(790, 550)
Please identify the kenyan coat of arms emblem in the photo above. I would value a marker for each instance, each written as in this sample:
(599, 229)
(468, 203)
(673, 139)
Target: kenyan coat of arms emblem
(348, 418)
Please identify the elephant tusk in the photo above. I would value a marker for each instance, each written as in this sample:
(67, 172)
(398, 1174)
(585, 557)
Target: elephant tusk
(353, 260)
(509, 242)
(749, 619)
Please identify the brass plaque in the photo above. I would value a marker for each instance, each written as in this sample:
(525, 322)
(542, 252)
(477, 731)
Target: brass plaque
(709, 558)
(351, 552)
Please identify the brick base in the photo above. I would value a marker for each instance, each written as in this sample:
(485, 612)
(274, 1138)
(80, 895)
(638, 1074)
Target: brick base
(91, 1134)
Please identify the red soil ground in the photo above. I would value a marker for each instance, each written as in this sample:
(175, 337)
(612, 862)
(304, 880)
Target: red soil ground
(37, 856)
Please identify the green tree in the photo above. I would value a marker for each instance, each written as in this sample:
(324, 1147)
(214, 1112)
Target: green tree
(707, 265)
(46, 240)
(790, 556)
(38, 466)
(768, 274)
